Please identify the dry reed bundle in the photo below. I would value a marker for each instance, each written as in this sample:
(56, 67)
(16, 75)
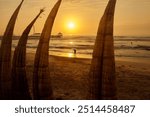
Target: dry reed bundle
(42, 88)
(102, 71)
(5, 57)
(19, 81)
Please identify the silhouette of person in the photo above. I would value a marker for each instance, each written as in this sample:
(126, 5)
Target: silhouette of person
(132, 44)
(74, 51)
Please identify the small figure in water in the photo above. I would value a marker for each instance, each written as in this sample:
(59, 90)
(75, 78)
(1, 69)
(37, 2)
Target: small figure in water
(74, 51)
(132, 44)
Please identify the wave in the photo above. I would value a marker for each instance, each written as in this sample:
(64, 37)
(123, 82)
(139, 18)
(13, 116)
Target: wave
(137, 56)
(125, 46)
(84, 47)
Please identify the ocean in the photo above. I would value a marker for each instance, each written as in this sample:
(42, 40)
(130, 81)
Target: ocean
(125, 46)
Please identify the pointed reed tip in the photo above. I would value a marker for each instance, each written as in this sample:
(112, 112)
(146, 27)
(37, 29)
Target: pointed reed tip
(42, 10)
(59, 0)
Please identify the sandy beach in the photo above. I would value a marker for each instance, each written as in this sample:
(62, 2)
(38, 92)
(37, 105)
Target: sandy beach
(70, 77)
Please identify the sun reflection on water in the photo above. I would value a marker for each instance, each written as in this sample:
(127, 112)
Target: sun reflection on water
(71, 55)
(71, 42)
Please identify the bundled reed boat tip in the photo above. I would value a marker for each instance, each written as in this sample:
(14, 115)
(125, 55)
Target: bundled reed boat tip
(20, 88)
(102, 72)
(42, 88)
(5, 56)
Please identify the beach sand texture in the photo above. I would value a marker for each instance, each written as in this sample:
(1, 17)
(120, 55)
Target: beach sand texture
(70, 77)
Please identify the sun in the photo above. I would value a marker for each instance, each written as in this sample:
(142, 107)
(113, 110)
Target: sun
(71, 25)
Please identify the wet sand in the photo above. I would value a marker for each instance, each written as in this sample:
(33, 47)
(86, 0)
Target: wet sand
(70, 77)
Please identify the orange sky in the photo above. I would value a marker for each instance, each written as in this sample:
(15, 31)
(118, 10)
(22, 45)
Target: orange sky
(131, 17)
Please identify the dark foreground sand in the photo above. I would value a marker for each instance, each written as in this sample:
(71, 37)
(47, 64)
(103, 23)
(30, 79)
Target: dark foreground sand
(69, 77)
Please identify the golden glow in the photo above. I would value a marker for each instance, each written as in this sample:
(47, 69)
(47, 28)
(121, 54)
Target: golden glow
(70, 55)
(71, 25)
(71, 42)
(85, 16)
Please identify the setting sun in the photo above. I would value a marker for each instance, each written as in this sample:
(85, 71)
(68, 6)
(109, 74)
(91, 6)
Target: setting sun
(71, 25)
